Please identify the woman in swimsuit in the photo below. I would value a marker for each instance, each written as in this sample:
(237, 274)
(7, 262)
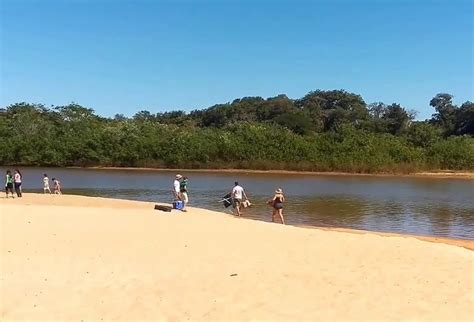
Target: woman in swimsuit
(277, 205)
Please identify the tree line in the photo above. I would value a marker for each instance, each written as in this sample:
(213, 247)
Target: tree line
(322, 131)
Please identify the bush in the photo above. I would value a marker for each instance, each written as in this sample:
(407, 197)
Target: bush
(456, 153)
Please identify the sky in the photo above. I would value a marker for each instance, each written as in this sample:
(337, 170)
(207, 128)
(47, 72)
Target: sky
(126, 56)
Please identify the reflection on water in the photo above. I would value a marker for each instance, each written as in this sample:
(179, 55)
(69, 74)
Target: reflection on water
(424, 206)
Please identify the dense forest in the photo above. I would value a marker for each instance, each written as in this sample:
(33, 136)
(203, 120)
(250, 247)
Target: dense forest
(322, 131)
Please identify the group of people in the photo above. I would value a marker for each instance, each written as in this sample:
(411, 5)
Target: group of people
(180, 190)
(56, 182)
(13, 184)
(13, 180)
(237, 196)
(239, 199)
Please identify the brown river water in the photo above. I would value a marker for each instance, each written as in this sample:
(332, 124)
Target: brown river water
(421, 206)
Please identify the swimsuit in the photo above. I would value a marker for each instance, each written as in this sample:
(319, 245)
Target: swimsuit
(278, 203)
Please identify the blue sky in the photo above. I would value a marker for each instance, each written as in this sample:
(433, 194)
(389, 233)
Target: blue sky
(125, 56)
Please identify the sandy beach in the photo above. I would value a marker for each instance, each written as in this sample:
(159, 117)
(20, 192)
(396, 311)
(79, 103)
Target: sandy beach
(80, 258)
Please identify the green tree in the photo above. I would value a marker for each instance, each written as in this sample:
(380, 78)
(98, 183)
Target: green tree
(445, 115)
(464, 121)
(397, 118)
(330, 109)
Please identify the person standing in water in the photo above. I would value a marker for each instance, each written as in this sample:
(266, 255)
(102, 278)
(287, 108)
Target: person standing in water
(57, 187)
(17, 181)
(176, 187)
(183, 192)
(238, 193)
(9, 183)
(46, 184)
(277, 205)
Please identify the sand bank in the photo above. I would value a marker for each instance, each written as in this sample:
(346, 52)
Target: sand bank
(441, 174)
(79, 258)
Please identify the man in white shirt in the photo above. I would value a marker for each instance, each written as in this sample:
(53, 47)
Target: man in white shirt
(238, 194)
(176, 186)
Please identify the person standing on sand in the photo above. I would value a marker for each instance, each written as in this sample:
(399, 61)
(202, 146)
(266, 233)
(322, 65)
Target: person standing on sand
(277, 205)
(183, 192)
(176, 187)
(46, 184)
(17, 181)
(9, 183)
(57, 187)
(238, 193)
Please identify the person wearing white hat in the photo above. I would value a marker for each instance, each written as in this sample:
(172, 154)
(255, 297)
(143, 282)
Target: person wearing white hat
(277, 205)
(176, 187)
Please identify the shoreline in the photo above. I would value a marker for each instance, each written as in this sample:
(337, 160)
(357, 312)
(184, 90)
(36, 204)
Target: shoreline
(440, 174)
(445, 174)
(459, 242)
(128, 203)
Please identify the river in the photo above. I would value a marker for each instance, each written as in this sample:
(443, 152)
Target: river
(421, 206)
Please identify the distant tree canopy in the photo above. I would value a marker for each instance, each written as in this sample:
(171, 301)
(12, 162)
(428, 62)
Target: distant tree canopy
(324, 130)
(454, 120)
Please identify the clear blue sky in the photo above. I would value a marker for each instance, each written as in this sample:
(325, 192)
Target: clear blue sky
(125, 56)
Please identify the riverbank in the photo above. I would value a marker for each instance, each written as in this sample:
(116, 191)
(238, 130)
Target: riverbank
(448, 174)
(72, 257)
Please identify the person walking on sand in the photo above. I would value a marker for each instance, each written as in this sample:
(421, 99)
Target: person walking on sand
(46, 184)
(9, 183)
(57, 187)
(176, 187)
(277, 205)
(183, 192)
(17, 181)
(238, 193)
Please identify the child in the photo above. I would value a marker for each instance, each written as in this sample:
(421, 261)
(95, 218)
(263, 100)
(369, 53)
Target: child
(57, 187)
(46, 184)
(183, 192)
(9, 183)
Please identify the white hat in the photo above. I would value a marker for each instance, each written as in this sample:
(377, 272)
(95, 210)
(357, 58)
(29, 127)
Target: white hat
(178, 176)
(279, 190)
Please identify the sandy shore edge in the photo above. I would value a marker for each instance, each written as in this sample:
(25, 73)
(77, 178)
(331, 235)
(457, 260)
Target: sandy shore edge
(442, 174)
(88, 201)
(465, 243)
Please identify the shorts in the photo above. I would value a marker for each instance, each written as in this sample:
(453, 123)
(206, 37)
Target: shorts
(176, 195)
(236, 202)
(278, 205)
(9, 186)
(184, 197)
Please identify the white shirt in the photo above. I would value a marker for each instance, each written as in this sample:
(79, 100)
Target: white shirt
(237, 192)
(17, 178)
(46, 181)
(176, 186)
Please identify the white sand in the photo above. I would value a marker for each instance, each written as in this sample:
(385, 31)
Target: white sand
(79, 258)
